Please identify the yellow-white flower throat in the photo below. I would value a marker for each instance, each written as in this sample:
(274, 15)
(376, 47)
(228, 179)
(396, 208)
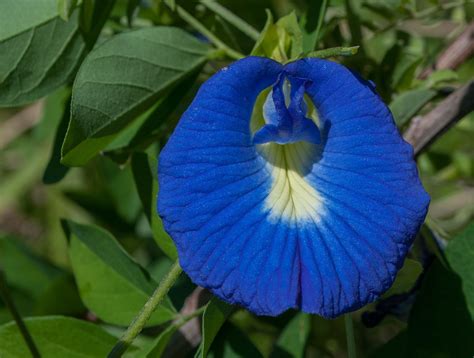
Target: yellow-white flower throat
(285, 129)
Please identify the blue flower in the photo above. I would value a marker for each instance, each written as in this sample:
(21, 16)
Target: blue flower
(289, 186)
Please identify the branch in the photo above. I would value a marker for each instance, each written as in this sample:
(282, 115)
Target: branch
(188, 336)
(423, 130)
(456, 53)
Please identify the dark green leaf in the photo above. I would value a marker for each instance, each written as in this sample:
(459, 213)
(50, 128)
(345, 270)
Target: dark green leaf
(39, 51)
(151, 125)
(57, 337)
(48, 289)
(111, 283)
(406, 105)
(92, 18)
(406, 278)
(55, 171)
(231, 342)
(440, 324)
(214, 317)
(132, 7)
(460, 256)
(159, 344)
(106, 98)
(144, 169)
(292, 341)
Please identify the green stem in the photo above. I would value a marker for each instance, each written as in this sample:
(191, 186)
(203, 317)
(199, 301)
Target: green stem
(231, 18)
(184, 319)
(351, 346)
(192, 21)
(5, 295)
(144, 315)
(332, 52)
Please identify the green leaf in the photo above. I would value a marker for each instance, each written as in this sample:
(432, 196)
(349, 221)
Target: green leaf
(439, 323)
(39, 51)
(214, 317)
(406, 278)
(48, 289)
(66, 8)
(282, 41)
(460, 257)
(106, 98)
(233, 343)
(406, 105)
(151, 125)
(312, 22)
(55, 171)
(111, 283)
(404, 72)
(92, 18)
(159, 344)
(292, 341)
(144, 169)
(57, 337)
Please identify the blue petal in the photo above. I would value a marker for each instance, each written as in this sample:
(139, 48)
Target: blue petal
(319, 225)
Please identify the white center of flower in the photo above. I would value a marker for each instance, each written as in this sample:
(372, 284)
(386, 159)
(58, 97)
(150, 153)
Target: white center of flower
(291, 197)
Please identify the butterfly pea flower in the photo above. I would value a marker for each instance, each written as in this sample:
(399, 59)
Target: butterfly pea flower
(289, 186)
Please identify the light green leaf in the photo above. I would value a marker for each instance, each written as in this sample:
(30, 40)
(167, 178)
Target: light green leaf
(39, 51)
(144, 169)
(406, 105)
(214, 317)
(106, 98)
(57, 337)
(111, 283)
(292, 341)
(282, 41)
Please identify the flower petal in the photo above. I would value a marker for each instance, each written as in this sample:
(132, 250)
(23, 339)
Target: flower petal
(323, 227)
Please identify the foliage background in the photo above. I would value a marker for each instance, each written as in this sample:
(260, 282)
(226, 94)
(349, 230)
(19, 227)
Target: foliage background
(55, 267)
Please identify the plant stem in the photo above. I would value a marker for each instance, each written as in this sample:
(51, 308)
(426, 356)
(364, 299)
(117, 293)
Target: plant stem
(5, 295)
(231, 18)
(192, 21)
(351, 346)
(144, 315)
(332, 52)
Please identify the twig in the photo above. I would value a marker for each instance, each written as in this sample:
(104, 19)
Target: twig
(189, 335)
(456, 53)
(425, 129)
(5, 295)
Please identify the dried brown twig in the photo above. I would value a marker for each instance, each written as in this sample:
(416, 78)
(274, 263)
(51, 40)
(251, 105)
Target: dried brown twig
(424, 129)
(456, 53)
